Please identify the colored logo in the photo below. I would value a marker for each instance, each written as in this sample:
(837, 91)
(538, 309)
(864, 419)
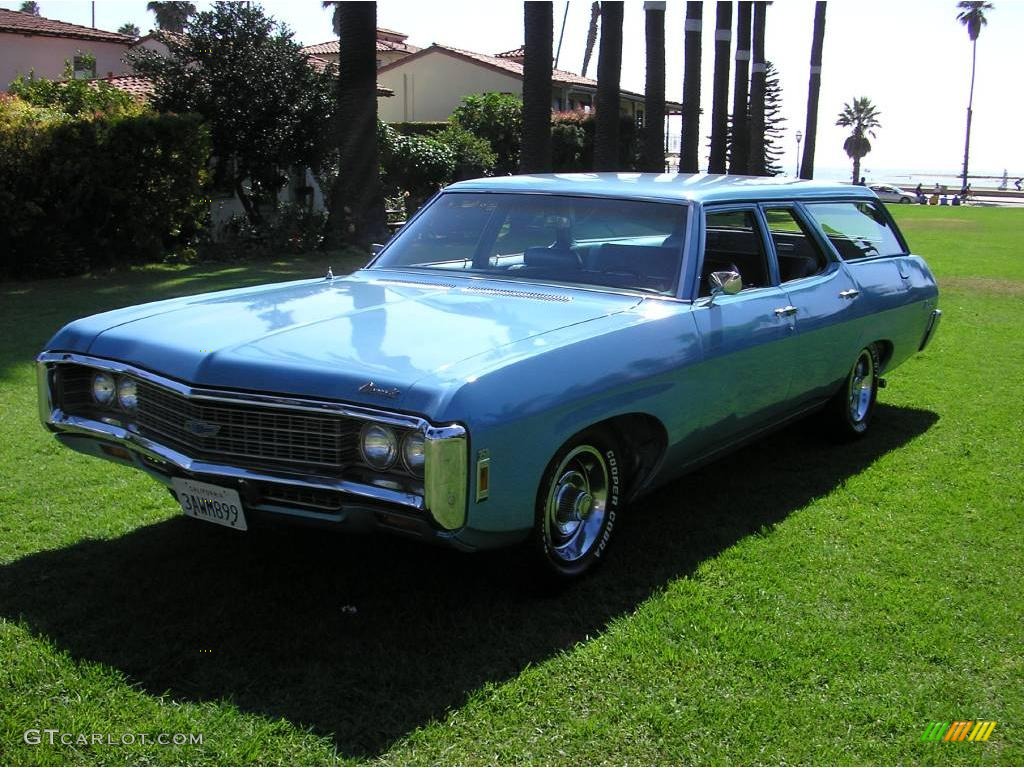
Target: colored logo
(959, 730)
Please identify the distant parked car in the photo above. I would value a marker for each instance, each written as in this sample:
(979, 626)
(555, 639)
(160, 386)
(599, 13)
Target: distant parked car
(525, 357)
(891, 194)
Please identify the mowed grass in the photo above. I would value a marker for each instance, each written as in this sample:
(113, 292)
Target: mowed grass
(796, 602)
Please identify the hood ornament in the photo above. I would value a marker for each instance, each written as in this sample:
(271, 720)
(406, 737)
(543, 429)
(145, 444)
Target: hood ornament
(370, 388)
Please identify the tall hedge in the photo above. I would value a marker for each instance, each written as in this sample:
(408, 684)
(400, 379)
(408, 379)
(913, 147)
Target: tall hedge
(84, 194)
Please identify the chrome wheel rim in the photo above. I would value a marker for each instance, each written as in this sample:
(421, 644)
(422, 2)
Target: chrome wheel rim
(862, 384)
(577, 504)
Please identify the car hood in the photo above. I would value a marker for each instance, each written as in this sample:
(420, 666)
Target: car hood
(365, 338)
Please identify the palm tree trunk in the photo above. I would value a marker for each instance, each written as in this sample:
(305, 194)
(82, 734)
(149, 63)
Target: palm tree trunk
(654, 89)
(357, 201)
(609, 69)
(595, 14)
(756, 164)
(691, 88)
(720, 100)
(970, 111)
(739, 145)
(538, 22)
(856, 170)
(813, 89)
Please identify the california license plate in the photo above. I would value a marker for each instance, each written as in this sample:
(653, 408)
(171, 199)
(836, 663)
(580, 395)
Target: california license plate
(210, 502)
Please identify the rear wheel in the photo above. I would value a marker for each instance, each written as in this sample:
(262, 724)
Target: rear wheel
(577, 505)
(851, 408)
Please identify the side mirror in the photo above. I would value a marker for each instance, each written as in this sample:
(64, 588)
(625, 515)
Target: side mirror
(727, 283)
(376, 248)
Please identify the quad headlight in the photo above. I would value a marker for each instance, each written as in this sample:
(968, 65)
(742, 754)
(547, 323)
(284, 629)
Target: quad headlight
(127, 393)
(413, 451)
(103, 388)
(378, 446)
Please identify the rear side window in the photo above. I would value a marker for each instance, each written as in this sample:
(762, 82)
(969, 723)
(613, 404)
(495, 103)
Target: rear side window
(798, 253)
(858, 230)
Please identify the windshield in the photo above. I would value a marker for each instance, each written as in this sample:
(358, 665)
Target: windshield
(625, 244)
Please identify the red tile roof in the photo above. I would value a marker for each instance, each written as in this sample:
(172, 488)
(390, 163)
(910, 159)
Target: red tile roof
(515, 53)
(18, 23)
(331, 47)
(139, 87)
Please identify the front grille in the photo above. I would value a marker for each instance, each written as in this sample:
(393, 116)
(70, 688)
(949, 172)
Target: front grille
(245, 434)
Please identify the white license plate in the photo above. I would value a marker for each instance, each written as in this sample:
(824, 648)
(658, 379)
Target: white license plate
(210, 502)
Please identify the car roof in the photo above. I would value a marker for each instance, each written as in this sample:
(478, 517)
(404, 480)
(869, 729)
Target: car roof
(681, 187)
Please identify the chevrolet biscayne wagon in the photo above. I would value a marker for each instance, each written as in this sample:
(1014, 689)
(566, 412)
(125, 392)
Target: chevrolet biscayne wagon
(525, 358)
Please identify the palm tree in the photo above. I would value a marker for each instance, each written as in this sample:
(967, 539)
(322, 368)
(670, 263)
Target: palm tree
(740, 139)
(132, 30)
(538, 27)
(755, 152)
(813, 88)
(720, 89)
(654, 90)
(595, 14)
(30, 6)
(357, 202)
(862, 116)
(609, 66)
(172, 15)
(691, 88)
(972, 16)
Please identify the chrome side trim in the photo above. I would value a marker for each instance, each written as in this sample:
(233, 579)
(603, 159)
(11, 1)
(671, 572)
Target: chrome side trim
(228, 396)
(445, 473)
(933, 325)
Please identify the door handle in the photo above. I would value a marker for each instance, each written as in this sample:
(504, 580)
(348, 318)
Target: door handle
(849, 293)
(785, 311)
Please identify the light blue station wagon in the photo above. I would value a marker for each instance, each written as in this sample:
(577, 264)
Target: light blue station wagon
(523, 359)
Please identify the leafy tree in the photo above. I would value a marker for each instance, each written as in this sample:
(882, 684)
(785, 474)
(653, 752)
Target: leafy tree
(357, 200)
(266, 107)
(972, 16)
(609, 71)
(173, 15)
(813, 88)
(129, 29)
(654, 89)
(498, 119)
(862, 116)
(30, 6)
(538, 26)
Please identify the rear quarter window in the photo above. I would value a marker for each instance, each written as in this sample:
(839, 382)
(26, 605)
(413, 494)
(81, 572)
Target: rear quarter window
(858, 229)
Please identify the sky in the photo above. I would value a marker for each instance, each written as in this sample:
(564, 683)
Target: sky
(912, 58)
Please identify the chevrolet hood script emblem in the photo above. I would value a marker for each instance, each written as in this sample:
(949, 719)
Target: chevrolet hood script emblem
(370, 388)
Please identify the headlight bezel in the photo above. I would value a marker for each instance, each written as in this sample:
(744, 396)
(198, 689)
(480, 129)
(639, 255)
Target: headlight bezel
(413, 466)
(383, 431)
(111, 398)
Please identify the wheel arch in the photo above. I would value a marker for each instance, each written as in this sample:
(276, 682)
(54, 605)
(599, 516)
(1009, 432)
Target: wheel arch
(643, 439)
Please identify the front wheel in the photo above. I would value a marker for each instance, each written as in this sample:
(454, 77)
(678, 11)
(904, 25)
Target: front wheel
(577, 505)
(851, 408)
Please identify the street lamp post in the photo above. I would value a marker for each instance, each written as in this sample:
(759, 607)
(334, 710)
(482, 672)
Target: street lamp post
(799, 138)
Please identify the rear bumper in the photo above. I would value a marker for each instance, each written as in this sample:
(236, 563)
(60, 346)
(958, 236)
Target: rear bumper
(929, 331)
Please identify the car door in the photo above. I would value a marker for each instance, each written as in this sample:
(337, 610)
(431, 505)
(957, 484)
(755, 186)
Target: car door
(825, 299)
(746, 338)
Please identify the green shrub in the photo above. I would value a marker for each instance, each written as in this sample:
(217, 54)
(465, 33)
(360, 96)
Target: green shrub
(473, 155)
(76, 98)
(86, 194)
(414, 166)
(572, 142)
(427, 128)
(498, 119)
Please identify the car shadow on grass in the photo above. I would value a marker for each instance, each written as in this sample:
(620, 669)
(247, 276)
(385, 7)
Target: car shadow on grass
(365, 639)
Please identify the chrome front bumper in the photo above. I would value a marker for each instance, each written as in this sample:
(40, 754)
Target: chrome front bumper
(445, 471)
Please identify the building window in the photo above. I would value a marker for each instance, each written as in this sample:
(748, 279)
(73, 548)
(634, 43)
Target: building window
(83, 66)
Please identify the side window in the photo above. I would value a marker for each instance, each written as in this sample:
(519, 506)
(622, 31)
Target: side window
(732, 242)
(858, 230)
(798, 252)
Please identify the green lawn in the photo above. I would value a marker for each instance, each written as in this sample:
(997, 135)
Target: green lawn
(797, 602)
